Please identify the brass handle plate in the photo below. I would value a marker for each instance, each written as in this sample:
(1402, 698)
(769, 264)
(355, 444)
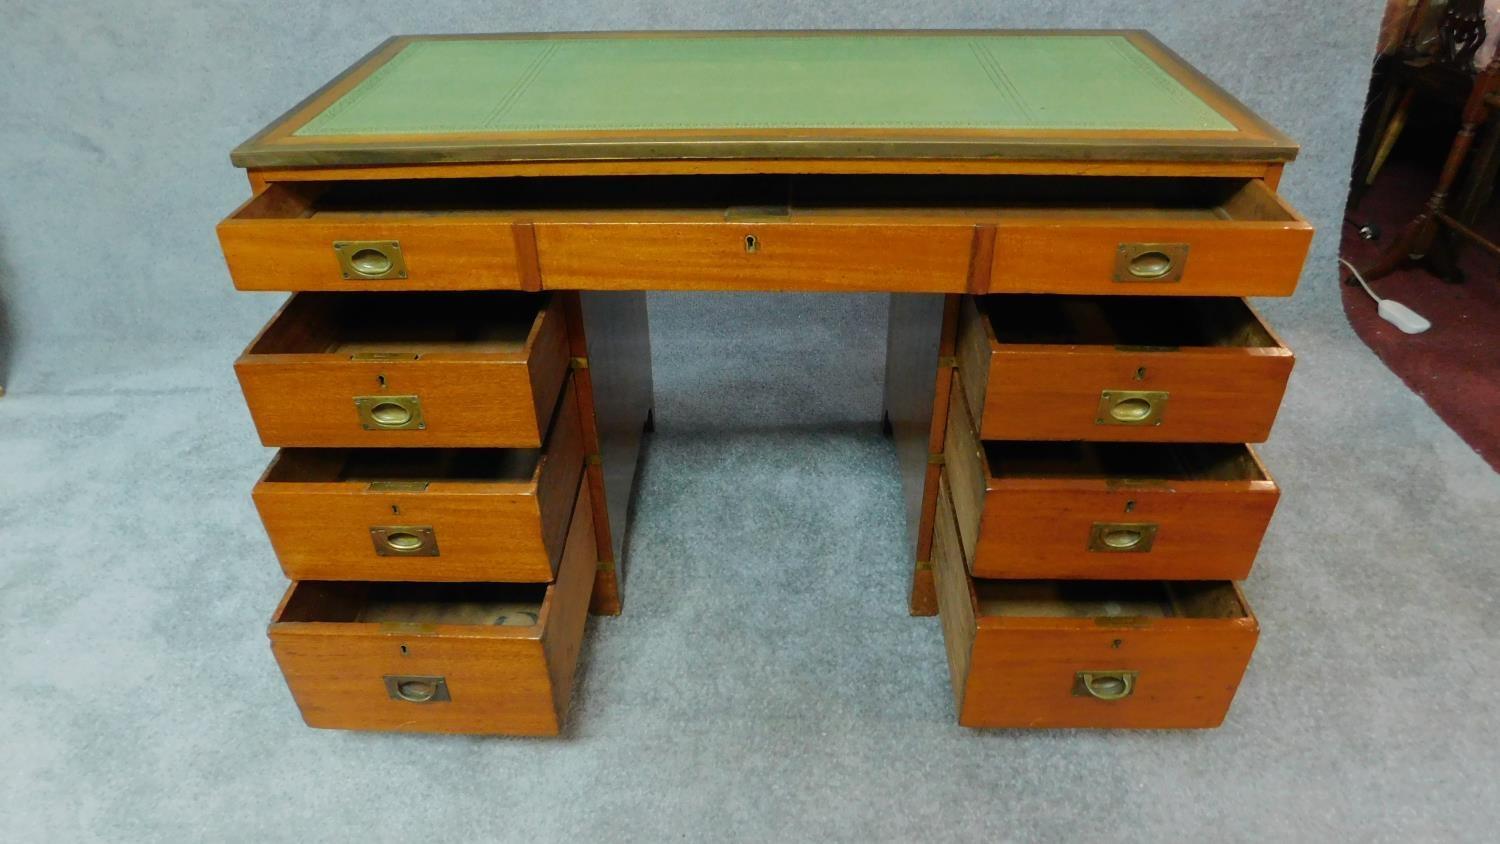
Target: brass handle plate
(370, 259)
(1131, 407)
(1122, 537)
(1163, 263)
(414, 689)
(390, 413)
(404, 541)
(1105, 685)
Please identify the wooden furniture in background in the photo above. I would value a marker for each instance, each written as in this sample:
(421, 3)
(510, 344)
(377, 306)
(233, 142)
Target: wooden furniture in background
(460, 385)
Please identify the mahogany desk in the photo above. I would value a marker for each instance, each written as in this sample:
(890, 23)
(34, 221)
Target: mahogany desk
(459, 386)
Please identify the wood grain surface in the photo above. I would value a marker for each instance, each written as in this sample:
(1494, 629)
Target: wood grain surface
(501, 679)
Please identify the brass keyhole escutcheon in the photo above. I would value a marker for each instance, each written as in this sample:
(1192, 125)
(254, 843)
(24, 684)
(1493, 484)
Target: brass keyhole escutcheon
(1122, 539)
(403, 541)
(752, 243)
(1151, 265)
(371, 262)
(1131, 410)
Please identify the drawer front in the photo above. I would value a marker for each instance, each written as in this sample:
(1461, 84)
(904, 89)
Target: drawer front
(478, 679)
(1253, 246)
(755, 256)
(1106, 528)
(446, 400)
(1178, 678)
(1082, 672)
(273, 243)
(430, 530)
(1063, 393)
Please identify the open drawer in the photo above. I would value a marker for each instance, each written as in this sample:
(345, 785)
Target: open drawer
(448, 658)
(425, 514)
(1085, 653)
(1117, 511)
(479, 370)
(1113, 368)
(1193, 237)
(416, 235)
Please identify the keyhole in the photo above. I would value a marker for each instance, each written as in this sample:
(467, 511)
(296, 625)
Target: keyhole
(396, 509)
(1130, 506)
(404, 650)
(751, 243)
(381, 379)
(1140, 374)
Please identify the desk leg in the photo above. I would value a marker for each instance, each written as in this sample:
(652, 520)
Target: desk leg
(610, 338)
(918, 377)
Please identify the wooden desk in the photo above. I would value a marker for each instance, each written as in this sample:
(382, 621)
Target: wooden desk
(1065, 221)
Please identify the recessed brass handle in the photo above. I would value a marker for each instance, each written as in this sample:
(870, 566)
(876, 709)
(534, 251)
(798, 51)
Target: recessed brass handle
(1131, 407)
(1158, 262)
(417, 689)
(404, 541)
(390, 413)
(1105, 685)
(370, 259)
(1122, 537)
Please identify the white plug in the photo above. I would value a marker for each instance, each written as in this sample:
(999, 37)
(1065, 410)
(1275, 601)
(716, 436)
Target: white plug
(1402, 317)
(1393, 312)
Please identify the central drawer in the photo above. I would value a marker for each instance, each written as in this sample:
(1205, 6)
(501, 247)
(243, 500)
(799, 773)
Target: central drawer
(1126, 511)
(1060, 653)
(1121, 369)
(461, 370)
(447, 658)
(425, 514)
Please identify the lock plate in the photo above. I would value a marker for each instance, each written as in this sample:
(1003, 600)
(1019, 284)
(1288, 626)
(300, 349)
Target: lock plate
(404, 540)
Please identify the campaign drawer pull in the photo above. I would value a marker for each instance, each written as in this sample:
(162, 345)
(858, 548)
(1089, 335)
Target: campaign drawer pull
(390, 413)
(1155, 262)
(370, 259)
(417, 689)
(1122, 537)
(405, 541)
(1105, 685)
(1131, 407)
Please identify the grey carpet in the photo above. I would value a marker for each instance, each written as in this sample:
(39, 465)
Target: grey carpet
(765, 683)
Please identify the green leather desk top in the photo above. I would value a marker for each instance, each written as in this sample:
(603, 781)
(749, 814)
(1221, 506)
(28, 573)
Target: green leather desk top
(1116, 95)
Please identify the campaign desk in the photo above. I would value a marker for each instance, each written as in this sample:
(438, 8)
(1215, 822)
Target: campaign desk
(1066, 222)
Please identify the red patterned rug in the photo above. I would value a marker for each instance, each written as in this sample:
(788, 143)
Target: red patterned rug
(1455, 365)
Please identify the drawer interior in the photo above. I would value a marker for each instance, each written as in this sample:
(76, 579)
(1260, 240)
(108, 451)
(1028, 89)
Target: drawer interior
(371, 465)
(1107, 599)
(467, 604)
(786, 194)
(1109, 460)
(402, 324)
(1165, 322)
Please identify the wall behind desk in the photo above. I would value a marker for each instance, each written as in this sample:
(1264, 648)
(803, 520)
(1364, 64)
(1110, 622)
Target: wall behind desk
(116, 121)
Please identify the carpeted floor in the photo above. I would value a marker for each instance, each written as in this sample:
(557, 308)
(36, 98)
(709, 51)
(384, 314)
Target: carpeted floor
(765, 682)
(1455, 365)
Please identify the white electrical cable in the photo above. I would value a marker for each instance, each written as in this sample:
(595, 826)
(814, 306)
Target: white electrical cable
(1393, 312)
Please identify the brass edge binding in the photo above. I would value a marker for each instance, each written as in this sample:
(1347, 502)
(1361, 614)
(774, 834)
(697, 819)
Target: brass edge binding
(578, 363)
(605, 566)
(924, 565)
